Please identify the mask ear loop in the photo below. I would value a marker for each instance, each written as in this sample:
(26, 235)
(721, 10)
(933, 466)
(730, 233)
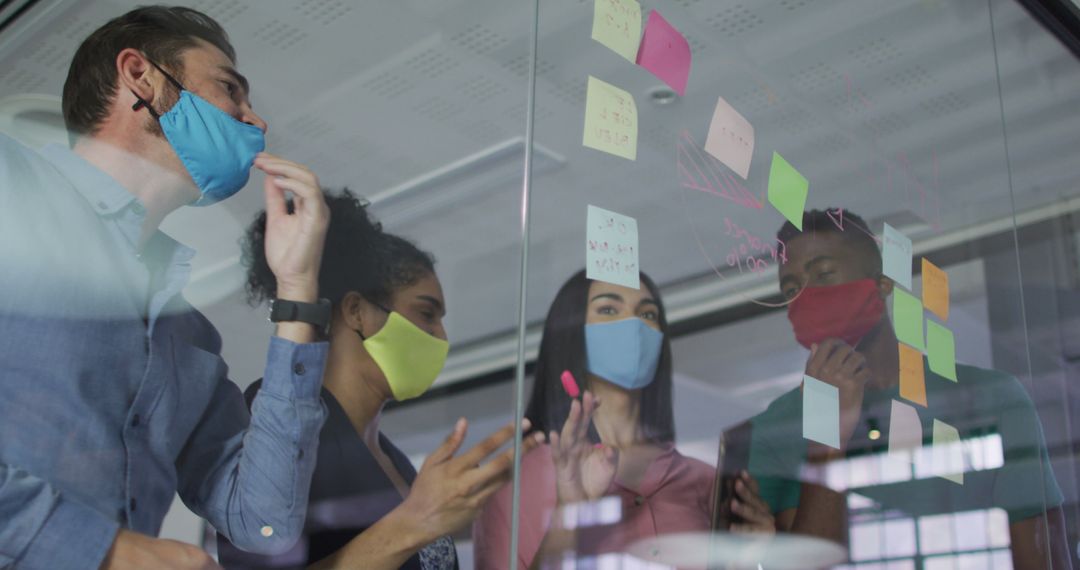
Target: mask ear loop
(140, 102)
(383, 309)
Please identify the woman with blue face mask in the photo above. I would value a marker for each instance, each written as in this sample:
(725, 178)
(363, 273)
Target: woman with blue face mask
(603, 394)
(368, 507)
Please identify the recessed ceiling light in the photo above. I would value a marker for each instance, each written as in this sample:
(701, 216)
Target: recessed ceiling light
(662, 95)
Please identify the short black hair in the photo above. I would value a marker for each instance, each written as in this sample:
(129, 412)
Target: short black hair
(563, 348)
(855, 230)
(358, 256)
(160, 32)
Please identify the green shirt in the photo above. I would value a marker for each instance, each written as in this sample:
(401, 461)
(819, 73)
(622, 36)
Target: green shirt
(982, 403)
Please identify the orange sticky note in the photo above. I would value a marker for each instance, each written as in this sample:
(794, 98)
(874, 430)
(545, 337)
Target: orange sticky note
(912, 378)
(935, 292)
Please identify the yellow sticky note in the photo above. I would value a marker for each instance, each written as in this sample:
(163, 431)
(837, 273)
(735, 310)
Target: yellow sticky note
(617, 24)
(941, 350)
(912, 378)
(948, 453)
(611, 120)
(935, 289)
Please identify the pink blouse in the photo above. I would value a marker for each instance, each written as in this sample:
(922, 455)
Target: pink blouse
(675, 496)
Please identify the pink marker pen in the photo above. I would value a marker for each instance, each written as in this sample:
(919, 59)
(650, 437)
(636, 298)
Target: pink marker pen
(569, 384)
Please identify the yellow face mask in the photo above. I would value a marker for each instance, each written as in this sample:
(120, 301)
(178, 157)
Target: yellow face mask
(410, 358)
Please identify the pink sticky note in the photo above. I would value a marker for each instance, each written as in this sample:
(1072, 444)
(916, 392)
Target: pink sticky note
(665, 52)
(731, 138)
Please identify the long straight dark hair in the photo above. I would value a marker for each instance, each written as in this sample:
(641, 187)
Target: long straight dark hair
(563, 348)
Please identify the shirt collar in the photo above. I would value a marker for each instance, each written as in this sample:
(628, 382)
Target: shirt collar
(104, 194)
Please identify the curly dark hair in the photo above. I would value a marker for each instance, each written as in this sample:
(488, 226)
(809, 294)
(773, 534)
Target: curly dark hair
(816, 221)
(358, 256)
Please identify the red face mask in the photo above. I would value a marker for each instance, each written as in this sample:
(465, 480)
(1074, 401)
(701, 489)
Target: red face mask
(847, 312)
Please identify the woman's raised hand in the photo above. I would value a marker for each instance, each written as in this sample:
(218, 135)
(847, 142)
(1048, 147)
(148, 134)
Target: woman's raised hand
(584, 471)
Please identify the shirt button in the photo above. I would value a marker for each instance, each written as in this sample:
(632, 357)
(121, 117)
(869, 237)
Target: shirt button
(639, 500)
(135, 420)
(300, 455)
(298, 369)
(139, 209)
(131, 503)
(102, 205)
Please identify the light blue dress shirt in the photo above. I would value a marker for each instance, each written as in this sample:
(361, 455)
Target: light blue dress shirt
(114, 393)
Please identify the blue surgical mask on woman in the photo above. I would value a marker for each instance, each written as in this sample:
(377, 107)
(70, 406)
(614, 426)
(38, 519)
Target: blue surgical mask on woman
(625, 353)
(216, 149)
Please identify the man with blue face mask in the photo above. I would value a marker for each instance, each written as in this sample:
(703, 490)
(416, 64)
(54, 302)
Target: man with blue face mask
(115, 393)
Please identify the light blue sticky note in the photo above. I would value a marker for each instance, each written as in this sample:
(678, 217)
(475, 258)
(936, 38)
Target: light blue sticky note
(821, 412)
(941, 350)
(908, 319)
(896, 256)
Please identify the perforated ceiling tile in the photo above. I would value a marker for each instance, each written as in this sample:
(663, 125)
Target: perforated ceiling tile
(432, 63)
(20, 80)
(325, 12)
(481, 131)
(887, 124)
(570, 90)
(794, 121)
(388, 84)
(479, 40)
(875, 52)
(697, 46)
(942, 105)
(818, 77)
(753, 101)
(281, 35)
(438, 108)
(734, 20)
(910, 80)
(224, 11)
(516, 113)
(791, 5)
(479, 89)
(519, 66)
(310, 125)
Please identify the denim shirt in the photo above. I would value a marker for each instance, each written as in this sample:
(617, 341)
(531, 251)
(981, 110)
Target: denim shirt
(115, 395)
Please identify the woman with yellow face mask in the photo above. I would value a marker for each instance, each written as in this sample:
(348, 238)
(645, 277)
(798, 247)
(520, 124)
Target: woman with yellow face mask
(367, 505)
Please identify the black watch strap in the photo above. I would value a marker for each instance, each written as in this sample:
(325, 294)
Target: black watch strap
(317, 314)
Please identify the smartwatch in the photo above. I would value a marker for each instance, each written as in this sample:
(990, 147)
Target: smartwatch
(316, 314)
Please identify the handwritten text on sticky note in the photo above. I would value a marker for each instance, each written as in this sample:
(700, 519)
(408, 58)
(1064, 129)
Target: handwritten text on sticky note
(611, 248)
(617, 24)
(908, 319)
(611, 121)
(731, 138)
(941, 350)
(787, 190)
(896, 256)
(821, 412)
(935, 289)
(665, 52)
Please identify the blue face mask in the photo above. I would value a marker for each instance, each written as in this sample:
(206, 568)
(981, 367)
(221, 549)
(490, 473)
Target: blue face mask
(624, 352)
(216, 149)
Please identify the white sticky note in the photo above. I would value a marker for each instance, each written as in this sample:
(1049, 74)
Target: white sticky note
(896, 256)
(948, 453)
(821, 412)
(731, 138)
(611, 248)
(905, 430)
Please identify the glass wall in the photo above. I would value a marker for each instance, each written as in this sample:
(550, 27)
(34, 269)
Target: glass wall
(817, 260)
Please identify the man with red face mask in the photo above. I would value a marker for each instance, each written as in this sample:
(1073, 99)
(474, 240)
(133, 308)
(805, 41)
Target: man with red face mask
(836, 291)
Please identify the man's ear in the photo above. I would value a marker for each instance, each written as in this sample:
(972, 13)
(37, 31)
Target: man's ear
(133, 74)
(885, 286)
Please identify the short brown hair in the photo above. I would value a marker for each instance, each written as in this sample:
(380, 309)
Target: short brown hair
(161, 32)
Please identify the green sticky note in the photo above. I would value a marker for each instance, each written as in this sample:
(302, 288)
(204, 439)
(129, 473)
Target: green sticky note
(941, 350)
(908, 319)
(787, 190)
(821, 412)
(611, 120)
(617, 24)
(947, 453)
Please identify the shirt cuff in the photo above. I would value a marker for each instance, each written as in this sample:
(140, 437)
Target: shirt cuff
(74, 536)
(294, 371)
